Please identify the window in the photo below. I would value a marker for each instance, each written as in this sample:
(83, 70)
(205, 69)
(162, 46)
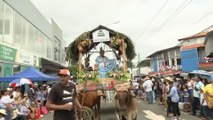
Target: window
(8, 25)
(173, 61)
(18, 30)
(24, 34)
(49, 48)
(1, 19)
(178, 61)
(1, 74)
(172, 54)
(16, 69)
(201, 52)
(57, 50)
(31, 43)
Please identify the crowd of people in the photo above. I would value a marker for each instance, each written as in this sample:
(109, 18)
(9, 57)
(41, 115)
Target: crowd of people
(24, 102)
(193, 94)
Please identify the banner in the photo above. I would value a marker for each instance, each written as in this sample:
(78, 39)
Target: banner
(27, 58)
(7, 53)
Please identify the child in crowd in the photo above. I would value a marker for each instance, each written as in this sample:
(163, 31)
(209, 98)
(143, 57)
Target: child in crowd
(186, 98)
(204, 106)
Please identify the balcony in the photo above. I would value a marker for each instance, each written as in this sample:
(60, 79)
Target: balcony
(206, 63)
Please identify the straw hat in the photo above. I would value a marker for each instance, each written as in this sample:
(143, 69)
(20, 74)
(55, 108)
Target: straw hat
(169, 78)
(2, 111)
(146, 78)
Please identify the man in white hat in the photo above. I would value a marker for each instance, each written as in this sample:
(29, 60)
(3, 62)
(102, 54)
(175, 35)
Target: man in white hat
(147, 85)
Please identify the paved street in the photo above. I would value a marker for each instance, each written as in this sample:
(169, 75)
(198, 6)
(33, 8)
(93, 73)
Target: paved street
(145, 112)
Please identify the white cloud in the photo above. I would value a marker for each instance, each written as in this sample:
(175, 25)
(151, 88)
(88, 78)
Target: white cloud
(77, 16)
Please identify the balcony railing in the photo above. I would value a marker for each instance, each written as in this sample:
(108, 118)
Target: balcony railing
(205, 60)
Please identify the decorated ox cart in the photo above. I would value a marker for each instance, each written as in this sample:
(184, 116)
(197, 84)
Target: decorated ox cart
(106, 75)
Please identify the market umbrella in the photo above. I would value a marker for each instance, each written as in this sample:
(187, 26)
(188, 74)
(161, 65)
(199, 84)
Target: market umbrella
(20, 81)
(201, 72)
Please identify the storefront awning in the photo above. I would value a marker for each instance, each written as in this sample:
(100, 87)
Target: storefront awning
(50, 65)
(210, 55)
(188, 47)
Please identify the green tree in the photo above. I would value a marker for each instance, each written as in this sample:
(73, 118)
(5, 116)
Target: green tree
(130, 64)
(144, 63)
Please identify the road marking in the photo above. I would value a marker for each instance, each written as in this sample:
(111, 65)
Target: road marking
(152, 116)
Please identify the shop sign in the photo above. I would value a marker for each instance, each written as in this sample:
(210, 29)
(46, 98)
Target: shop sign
(7, 53)
(27, 58)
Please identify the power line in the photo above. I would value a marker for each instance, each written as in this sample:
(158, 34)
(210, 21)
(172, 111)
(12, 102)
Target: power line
(175, 13)
(197, 21)
(150, 22)
(194, 23)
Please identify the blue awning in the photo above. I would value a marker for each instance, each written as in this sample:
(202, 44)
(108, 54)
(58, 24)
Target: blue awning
(30, 73)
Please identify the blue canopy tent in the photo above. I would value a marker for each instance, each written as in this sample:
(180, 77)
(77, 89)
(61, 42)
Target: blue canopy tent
(30, 73)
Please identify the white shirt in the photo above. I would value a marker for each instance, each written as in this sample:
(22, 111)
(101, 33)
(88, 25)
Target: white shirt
(2, 118)
(136, 85)
(147, 85)
(199, 85)
(23, 110)
(190, 84)
(5, 100)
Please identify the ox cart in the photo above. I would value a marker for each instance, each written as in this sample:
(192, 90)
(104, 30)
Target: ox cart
(84, 46)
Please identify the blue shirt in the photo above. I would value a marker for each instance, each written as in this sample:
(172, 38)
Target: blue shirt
(174, 94)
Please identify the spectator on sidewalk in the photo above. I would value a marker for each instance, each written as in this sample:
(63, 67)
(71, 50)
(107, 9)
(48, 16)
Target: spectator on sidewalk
(208, 94)
(6, 104)
(175, 101)
(136, 87)
(186, 98)
(203, 106)
(190, 85)
(198, 85)
(147, 85)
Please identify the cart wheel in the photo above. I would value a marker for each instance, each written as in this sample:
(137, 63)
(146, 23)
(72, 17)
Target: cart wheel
(87, 113)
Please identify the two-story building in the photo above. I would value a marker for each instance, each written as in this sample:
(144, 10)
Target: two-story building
(28, 39)
(166, 61)
(208, 64)
(193, 51)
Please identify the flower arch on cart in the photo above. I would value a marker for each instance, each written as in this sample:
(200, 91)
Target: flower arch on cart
(121, 45)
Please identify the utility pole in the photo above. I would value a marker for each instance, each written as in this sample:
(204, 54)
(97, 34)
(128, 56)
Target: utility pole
(139, 65)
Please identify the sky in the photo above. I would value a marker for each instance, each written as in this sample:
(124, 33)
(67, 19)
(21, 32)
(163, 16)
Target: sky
(151, 24)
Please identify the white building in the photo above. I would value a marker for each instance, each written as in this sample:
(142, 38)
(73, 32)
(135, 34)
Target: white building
(28, 39)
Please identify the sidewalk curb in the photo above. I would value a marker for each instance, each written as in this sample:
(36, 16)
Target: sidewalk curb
(190, 115)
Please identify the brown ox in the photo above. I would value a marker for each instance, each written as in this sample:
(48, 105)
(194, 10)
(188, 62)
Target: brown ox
(126, 105)
(91, 100)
